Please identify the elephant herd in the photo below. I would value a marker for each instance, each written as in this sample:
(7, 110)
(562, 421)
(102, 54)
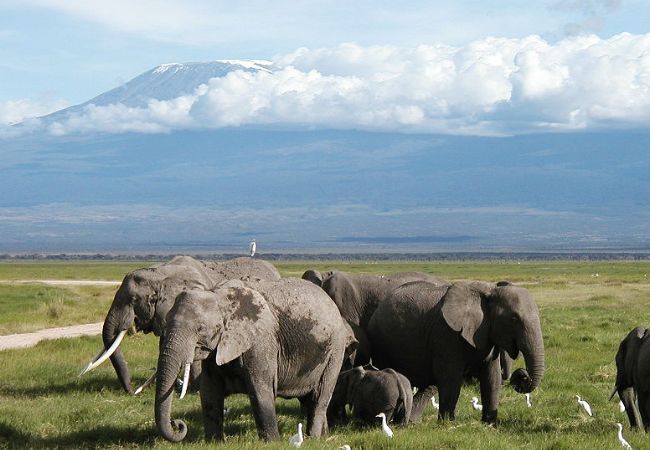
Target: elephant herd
(329, 339)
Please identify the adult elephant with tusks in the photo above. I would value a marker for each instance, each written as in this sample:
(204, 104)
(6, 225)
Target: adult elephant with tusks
(146, 295)
(435, 335)
(266, 339)
(358, 295)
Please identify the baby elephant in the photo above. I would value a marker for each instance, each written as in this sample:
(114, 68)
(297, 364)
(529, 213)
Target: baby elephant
(370, 392)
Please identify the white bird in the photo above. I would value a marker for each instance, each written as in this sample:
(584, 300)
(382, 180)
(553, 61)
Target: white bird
(345, 447)
(434, 402)
(528, 402)
(477, 406)
(252, 247)
(621, 406)
(621, 439)
(384, 426)
(296, 439)
(584, 405)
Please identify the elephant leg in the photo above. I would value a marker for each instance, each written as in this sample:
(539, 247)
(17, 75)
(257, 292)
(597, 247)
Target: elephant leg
(261, 392)
(644, 408)
(195, 376)
(317, 426)
(420, 400)
(212, 397)
(490, 382)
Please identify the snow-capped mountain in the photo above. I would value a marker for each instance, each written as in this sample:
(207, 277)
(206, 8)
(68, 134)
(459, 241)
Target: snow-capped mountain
(165, 82)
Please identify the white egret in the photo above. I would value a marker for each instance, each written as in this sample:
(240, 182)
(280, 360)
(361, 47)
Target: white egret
(297, 439)
(621, 439)
(529, 403)
(586, 406)
(434, 402)
(621, 406)
(345, 447)
(477, 406)
(252, 247)
(384, 426)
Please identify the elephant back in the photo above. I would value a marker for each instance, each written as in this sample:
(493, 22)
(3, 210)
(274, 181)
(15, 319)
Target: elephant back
(244, 268)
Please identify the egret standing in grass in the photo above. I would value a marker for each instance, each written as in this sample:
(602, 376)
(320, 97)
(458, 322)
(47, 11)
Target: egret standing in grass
(584, 405)
(529, 403)
(477, 406)
(384, 426)
(434, 402)
(296, 439)
(345, 447)
(252, 247)
(621, 439)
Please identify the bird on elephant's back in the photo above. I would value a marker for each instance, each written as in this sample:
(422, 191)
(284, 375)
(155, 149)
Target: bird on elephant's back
(263, 338)
(435, 334)
(146, 295)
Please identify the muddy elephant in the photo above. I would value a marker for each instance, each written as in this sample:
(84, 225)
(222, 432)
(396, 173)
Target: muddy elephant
(370, 392)
(146, 295)
(265, 339)
(435, 335)
(633, 376)
(357, 297)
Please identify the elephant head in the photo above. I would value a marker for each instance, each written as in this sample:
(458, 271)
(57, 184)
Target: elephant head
(144, 298)
(626, 361)
(501, 315)
(222, 325)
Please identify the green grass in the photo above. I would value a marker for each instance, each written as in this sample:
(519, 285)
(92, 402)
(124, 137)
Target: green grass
(44, 405)
(30, 307)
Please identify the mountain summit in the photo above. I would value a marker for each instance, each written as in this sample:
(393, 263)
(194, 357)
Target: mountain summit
(165, 82)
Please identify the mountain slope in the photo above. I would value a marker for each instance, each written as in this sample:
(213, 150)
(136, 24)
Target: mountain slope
(164, 82)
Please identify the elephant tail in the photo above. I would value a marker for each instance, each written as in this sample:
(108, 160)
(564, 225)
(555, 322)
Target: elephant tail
(403, 409)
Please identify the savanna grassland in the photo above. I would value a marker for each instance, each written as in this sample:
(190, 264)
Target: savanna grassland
(586, 309)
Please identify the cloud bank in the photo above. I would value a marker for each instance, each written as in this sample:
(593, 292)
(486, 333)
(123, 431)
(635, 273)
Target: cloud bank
(494, 86)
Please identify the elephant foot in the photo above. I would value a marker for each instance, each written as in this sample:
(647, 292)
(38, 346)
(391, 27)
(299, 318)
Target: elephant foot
(489, 417)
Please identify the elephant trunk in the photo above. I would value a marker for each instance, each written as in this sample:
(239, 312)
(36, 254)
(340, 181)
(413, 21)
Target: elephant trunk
(173, 355)
(532, 347)
(628, 397)
(117, 320)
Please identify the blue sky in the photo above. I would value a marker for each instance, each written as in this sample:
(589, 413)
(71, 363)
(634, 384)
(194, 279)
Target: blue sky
(61, 52)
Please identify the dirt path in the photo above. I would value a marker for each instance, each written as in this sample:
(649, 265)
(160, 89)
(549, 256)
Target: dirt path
(64, 282)
(30, 339)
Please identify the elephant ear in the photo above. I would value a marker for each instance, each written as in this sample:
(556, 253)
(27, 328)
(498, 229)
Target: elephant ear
(314, 276)
(462, 309)
(346, 296)
(248, 313)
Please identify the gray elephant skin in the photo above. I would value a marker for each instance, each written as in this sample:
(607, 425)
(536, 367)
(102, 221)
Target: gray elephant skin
(358, 295)
(370, 392)
(146, 295)
(633, 376)
(266, 339)
(435, 335)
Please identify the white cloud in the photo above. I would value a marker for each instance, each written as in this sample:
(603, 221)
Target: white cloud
(15, 111)
(491, 86)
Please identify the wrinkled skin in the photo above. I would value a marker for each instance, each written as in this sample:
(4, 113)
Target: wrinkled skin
(146, 295)
(633, 376)
(266, 339)
(357, 297)
(370, 392)
(435, 335)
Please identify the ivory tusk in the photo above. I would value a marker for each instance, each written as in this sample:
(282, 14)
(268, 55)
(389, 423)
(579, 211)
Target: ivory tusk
(186, 380)
(150, 380)
(107, 354)
(85, 369)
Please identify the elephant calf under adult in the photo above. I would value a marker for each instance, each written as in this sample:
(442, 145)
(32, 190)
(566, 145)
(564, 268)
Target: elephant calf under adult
(266, 339)
(146, 295)
(633, 376)
(370, 392)
(435, 335)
